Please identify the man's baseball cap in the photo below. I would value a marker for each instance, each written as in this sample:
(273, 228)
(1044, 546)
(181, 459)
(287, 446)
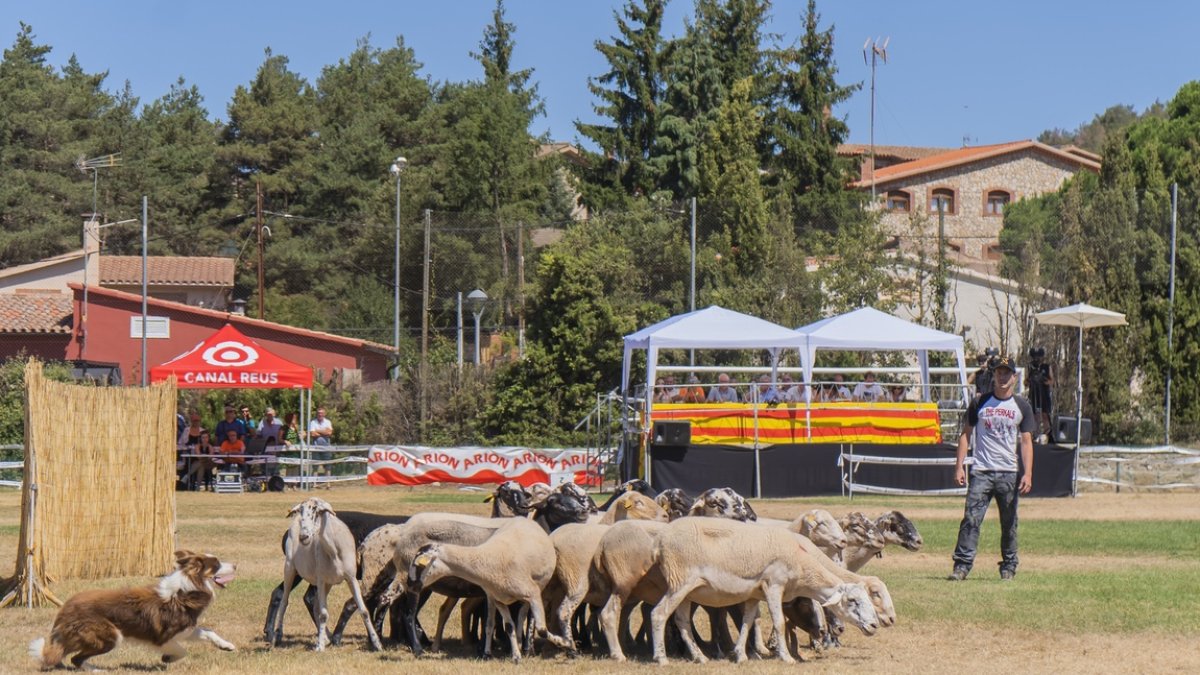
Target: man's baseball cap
(1005, 362)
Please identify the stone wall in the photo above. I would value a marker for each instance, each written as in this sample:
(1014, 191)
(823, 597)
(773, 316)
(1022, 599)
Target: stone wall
(1023, 174)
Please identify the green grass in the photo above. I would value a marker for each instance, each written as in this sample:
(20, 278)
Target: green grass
(1176, 540)
(1117, 601)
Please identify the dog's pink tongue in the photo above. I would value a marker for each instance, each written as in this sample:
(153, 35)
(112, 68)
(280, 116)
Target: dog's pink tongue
(224, 579)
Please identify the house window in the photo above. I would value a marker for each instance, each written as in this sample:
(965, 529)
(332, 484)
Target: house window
(943, 199)
(156, 327)
(995, 202)
(898, 201)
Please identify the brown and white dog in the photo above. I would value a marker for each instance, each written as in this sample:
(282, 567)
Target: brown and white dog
(160, 615)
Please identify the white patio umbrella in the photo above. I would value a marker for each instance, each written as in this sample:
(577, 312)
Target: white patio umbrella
(1081, 315)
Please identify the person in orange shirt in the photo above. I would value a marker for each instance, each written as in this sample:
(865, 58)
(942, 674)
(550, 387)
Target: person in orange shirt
(232, 445)
(693, 392)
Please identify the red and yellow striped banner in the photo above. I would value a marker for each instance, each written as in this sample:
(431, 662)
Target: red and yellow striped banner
(788, 423)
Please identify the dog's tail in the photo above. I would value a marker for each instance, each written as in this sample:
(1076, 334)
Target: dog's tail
(48, 655)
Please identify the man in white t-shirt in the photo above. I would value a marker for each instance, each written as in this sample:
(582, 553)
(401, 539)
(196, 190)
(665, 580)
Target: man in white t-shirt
(869, 390)
(320, 429)
(1001, 424)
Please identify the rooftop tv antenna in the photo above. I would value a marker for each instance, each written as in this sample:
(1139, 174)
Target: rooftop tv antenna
(94, 165)
(874, 51)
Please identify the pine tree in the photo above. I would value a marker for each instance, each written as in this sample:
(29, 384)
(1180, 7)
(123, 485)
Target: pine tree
(804, 130)
(271, 134)
(47, 123)
(631, 95)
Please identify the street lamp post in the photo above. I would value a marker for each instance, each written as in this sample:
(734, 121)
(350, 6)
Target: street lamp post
(396, 169)
(478, 300)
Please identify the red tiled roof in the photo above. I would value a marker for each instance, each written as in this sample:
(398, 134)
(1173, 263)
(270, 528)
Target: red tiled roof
(966, 155)
(903, 152)
(166, 270)
(235, 319)
(35, 313)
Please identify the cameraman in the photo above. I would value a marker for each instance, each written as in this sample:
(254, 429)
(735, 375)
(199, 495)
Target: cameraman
(1040, 379)
(982, 378)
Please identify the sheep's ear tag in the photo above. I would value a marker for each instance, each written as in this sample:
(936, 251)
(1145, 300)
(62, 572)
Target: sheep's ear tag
(422, 560)
(629, 487)
(627, 503)
(488, 498)
(810, 520)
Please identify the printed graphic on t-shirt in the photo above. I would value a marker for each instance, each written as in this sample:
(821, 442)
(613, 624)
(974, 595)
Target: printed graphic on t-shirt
(999, 424)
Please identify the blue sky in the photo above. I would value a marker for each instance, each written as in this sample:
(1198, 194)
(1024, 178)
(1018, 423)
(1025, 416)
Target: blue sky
(957, 69)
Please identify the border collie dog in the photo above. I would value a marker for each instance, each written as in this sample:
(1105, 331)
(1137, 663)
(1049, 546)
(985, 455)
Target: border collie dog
(161, 615)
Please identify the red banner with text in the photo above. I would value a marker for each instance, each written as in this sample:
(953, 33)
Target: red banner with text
(414, 465)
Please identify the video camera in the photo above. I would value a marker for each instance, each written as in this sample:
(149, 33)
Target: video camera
(993, 357)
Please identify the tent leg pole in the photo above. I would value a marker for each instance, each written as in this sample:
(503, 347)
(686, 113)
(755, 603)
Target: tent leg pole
(1078, 416)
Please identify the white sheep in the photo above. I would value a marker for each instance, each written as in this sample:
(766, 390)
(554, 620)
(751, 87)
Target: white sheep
(400, 546)
(720, 562)
(513, 565)
(320, 549)
(574, 547)
(820, 526)
(631, 506)
(623, 568)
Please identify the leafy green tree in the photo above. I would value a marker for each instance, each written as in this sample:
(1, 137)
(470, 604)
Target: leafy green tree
(170, 156)
(47, 123)
(734, 30)
(803, 128)
(631, 95)
(271, 133)
(694, 94)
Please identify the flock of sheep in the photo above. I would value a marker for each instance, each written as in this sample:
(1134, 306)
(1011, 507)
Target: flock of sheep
(552, 554)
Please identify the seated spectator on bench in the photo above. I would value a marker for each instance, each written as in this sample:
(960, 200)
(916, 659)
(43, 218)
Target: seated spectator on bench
(898, 393)
(835, 390)
(271, 428)
(661, 393)
(765, 392)
(693, 392)
(201, 467)
(869, 391)
(722, 392)
(232, 445)
(792, 392)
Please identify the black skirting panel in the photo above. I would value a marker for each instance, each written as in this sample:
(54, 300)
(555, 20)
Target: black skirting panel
(811, 470)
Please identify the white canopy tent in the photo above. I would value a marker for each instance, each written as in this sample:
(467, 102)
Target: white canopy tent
(869, 329)
(710, 328)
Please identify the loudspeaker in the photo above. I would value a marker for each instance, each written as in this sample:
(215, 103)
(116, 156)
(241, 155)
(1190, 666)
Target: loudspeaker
(1064, 430)
(672, 433)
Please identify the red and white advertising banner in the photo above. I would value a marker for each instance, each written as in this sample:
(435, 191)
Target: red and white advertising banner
(414, 465)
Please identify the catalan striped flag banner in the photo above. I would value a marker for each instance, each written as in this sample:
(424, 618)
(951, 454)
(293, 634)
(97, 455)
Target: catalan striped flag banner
(789, 423)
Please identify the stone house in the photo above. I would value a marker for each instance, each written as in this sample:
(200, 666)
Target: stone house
(972, 186)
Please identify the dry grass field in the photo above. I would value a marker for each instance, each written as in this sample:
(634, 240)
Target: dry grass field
(1108, 584)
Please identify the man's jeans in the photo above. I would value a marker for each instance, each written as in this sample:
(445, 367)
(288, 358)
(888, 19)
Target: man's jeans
(983, 487)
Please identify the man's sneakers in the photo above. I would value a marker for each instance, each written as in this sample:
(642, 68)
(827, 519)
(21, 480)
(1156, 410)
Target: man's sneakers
(1007, 575)
(959, 574)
